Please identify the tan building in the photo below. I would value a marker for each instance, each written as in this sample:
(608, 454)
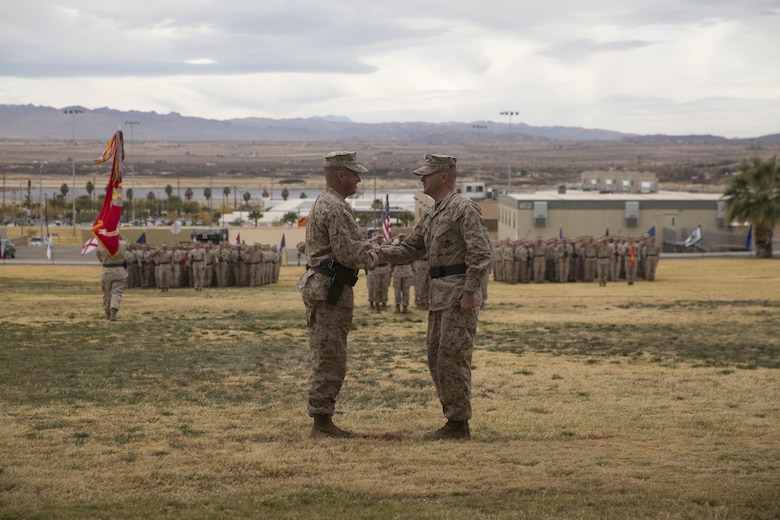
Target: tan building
(574, 213)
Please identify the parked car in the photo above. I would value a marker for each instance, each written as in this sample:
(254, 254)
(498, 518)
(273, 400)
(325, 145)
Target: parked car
(8, 248)
(37, 242)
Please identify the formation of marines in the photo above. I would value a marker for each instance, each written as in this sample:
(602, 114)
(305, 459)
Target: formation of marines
(402, 278)
(585, 259)
(201, 265)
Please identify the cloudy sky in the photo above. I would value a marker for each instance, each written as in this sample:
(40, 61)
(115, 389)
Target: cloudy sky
(642, 66)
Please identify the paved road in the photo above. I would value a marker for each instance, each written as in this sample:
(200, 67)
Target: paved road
(61, 255)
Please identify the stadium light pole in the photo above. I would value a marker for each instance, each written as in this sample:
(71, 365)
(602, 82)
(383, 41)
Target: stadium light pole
(373, 202)
(479, 129)
(211, 190)
(40, 193)
(509, 113)
(73, 112)
(132, 124)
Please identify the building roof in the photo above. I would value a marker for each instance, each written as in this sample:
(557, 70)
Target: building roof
(594, 196)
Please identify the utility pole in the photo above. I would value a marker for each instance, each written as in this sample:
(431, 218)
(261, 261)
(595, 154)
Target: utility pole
(509, 113)
(73, 112)
(132, 124)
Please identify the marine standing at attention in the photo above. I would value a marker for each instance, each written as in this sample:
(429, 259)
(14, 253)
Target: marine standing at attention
(335, 253)
(453, 235)
(112, 279)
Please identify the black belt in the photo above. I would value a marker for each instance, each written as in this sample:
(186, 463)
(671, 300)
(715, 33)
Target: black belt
(196, 261)
(340, 276)
(447, 270)
(115, 265)
(383, 265)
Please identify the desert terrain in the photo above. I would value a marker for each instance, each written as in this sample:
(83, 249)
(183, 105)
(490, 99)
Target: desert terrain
(536, 164)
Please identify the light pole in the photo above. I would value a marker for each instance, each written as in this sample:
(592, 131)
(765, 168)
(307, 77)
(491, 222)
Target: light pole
(373, 202)
(40, 193)
(479, 165)
(132, 124)
(509, 113)
(211, 190)
(73, 112)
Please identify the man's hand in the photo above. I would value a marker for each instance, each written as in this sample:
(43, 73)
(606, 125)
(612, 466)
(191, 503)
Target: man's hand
(468, 303)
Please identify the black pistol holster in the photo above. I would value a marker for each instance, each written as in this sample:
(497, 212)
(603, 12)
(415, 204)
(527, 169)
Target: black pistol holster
(340, 277)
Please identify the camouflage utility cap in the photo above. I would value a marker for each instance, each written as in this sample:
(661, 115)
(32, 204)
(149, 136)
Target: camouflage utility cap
(436, 163)
(344, 160)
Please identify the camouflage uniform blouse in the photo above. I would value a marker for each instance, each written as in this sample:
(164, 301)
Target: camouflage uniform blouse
(332, 233)
(452, 232)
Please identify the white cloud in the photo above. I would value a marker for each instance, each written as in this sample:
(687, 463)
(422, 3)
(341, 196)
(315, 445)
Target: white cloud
(665, 66)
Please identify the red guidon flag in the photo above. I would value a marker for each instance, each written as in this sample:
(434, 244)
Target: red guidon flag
(106, 226)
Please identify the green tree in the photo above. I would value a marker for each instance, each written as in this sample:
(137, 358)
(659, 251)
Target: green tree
(303, 195)
(90, 189)
(290, 217)
(285, 194)
(151, 203)
(365, 219)
(255, 215)
(64, 190)
(247, 197)
(753, 195)
(226, 194)
(406, 218)
(188, 194)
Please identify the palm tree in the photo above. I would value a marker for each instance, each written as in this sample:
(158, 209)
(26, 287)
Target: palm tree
(753, 195)
(285, 193)
(151, 200)
(188, 194)
(90, 189)
(226, 193)
(247, 197)
(64, 190)
(255, 215)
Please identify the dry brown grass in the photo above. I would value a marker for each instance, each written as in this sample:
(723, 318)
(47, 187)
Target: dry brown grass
(658, 400)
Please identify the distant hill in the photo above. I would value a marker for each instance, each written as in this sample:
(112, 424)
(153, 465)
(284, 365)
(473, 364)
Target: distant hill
(29, 122)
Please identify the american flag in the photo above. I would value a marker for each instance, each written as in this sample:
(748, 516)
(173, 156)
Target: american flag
(386, 219)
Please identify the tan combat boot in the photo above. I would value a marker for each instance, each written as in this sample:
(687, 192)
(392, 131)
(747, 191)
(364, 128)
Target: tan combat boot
(452, 431)
(323, 427)
(112, 315)
(406, 310)
(398, 308)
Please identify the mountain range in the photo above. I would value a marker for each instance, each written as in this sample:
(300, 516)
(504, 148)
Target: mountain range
(40, 123)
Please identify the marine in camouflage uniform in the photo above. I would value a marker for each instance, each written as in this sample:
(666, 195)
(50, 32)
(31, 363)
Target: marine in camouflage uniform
(335, 252)
(112, 279)
(197, 260)
(163, 271)
(453, 235)
(652, 252)
(603, 252)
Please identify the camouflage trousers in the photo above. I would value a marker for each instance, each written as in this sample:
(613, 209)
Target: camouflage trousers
(198, 272)
(402, 288)
(328, 328)
(112, 281)
(450, 347)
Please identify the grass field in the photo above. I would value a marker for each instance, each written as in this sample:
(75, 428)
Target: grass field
(658, 400)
